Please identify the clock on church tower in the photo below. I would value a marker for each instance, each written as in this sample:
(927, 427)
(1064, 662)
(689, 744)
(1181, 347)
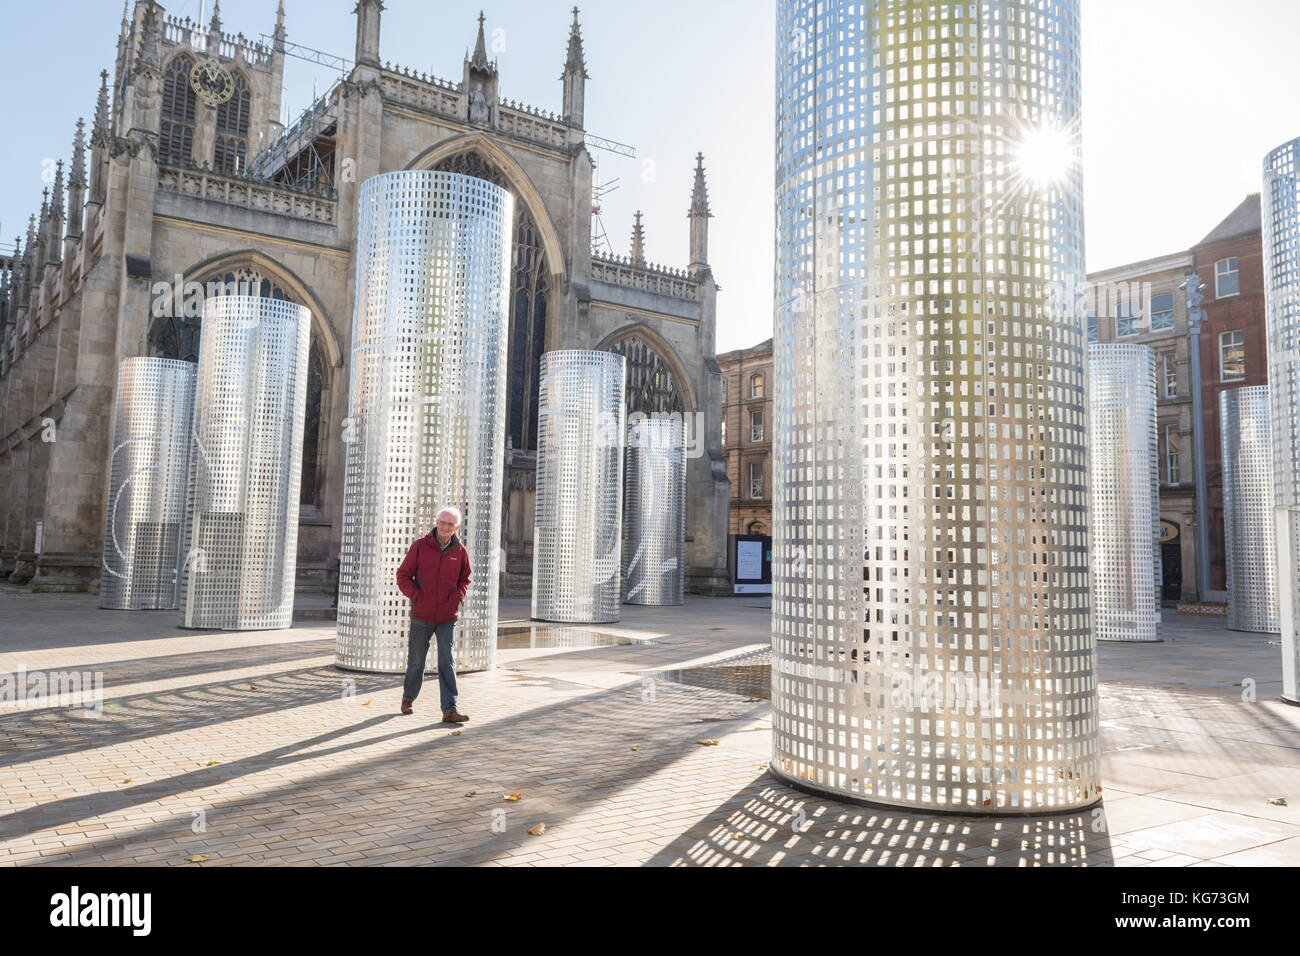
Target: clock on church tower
(212, 82)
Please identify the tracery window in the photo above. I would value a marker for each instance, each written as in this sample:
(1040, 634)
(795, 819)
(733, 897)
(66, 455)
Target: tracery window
(176, 131)
(177, 336)
(529, 289)
(231, 151)
(651, 386)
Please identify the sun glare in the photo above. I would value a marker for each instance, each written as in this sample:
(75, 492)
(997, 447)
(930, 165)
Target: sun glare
(1044, 156)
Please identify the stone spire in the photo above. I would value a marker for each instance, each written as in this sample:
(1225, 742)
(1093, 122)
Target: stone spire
(479, 60)
(76, 188)
(149, 60)
(99, 132)
(279, 21)
(77, 173)
(215, 25)
(575, 77)
(100, 138)
(368, 12)
(54, 240)
(126, 20)
(638, 241)
(576, 62)
(699, 216)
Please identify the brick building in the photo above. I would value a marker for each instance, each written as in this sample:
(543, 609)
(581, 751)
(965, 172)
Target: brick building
(1145, 303)
(747, 436)
(1234, 352)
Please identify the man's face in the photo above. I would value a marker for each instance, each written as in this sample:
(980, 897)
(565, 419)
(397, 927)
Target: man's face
(446, 525)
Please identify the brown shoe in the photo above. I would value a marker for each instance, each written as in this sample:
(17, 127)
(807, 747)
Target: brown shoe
(406, 706)
(452, 717)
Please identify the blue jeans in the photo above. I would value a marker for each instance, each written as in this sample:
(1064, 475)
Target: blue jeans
(418, 652)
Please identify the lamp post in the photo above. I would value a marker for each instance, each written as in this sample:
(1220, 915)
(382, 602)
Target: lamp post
(1192, 286)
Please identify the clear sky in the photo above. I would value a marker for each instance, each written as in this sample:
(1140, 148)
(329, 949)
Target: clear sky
(1182, 98)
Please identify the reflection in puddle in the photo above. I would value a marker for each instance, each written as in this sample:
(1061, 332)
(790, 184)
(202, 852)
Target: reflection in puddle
(553, 636)
(748, 675)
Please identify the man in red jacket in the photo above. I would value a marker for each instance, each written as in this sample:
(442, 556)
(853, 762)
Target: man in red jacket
(435, 576)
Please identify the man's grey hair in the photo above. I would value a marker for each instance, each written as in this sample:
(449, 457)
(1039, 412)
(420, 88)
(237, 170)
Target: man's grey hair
(454, 512)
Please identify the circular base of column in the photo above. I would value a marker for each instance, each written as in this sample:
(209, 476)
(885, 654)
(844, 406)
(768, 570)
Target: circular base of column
(114, 607)
(1254, 630)
(386, 673)
(804, 786)
(654, 603)
(1119, 640)
(1287, 700)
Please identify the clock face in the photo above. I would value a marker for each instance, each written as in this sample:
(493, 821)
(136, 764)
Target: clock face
(212, 82)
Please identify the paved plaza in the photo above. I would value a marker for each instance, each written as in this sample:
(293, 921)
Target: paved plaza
(252, 749)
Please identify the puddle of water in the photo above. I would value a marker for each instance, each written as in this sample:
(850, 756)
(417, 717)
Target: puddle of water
(558, 637)
(746, 675)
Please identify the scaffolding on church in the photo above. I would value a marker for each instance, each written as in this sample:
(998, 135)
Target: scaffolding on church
(302, 157)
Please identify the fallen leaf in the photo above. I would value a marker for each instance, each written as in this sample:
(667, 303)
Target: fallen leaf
(708, 743)
(454, 733)
(197, 858)
(738, 836)
(512, 797)
(252, 687)
(637, 747)
(538, 830)
(127, 780)
(1278, 802)
(367, 703)
(212, 763)
(471, 793)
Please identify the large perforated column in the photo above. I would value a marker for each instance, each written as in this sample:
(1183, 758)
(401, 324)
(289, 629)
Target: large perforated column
(577, 532)
(426, 428)
(147, 484)
(1248, 509)
(1125, 491)
(240, 545)
(654, 512)
(932, 642)
(1280, 206)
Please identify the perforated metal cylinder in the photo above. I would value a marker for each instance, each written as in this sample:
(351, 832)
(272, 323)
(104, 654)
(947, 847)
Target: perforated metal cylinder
(1125, 491)
(426, 429)
(1248, 509)
(1280, 207)
(931, 637)
(654, 512)
(240, 544)
(146, 488)
(577, 532)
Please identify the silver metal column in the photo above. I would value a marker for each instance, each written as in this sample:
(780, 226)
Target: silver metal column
(654, 512)
(240, 543)
(1248, 509)
(931, 635)
(426, 429)
(1280, 202)
(147, 484)
(577, 533)
(1125, 491)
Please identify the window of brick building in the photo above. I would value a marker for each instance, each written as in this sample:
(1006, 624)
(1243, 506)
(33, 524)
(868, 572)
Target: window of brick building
(1162, 312)
(1169, 374)
(1232, 356)
(756, 386)
(755, 479)
(1128, 319)
(1094, 332)
(755, 426)
(1227, 281)
(1169, 454)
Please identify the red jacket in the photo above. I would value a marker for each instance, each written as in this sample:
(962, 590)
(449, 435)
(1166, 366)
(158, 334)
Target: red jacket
(435, 580)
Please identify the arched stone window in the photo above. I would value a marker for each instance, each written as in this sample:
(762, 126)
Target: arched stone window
(176, 131)
(651, 386)
(231, 151)
(529, 289)
(178, 336)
